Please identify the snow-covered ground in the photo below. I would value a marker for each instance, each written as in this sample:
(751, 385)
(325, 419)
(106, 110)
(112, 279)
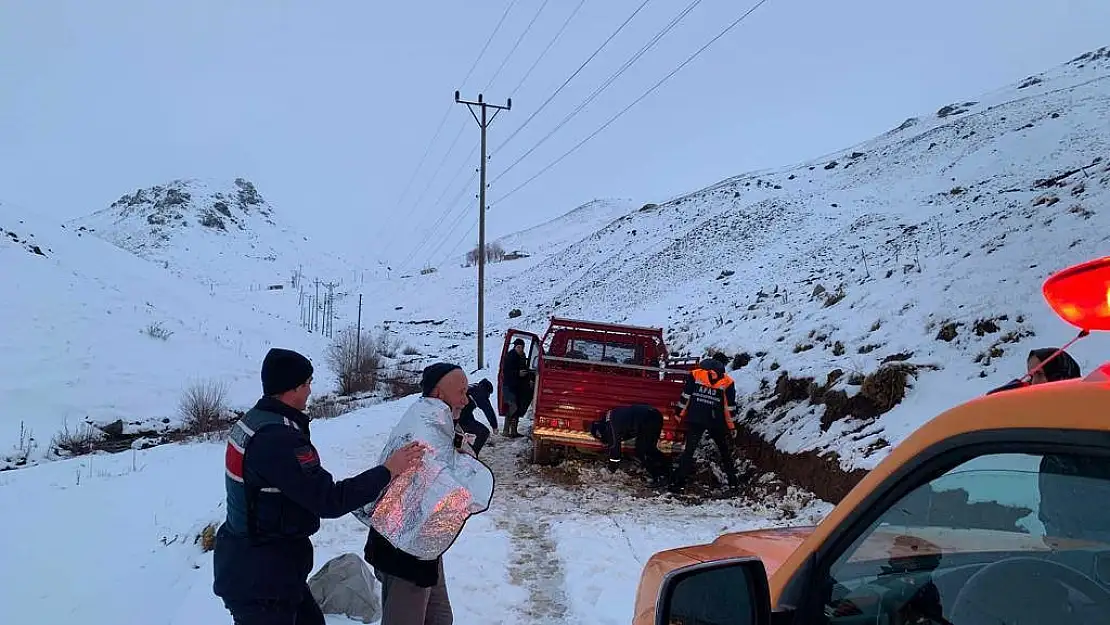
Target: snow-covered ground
(547, 551)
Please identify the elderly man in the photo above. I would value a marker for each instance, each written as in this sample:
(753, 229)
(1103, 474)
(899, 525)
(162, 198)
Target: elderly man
(420, 517)
(277, 492)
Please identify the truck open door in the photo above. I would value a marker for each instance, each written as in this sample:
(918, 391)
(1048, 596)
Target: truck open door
(533, 351)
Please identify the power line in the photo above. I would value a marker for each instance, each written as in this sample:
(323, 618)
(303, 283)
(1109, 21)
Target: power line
(527, 74)
(447, 113)
(622, 69)
(571, 77)
(549, 45)
(490, 39)
(636, 101)
(429, 236)
(516, 45)
(439, 201)
(415, 205)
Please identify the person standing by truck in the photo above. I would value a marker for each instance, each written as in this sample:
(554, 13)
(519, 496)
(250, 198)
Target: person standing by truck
(517, 387)
(645, 423)
(708, 403)
(479, 395)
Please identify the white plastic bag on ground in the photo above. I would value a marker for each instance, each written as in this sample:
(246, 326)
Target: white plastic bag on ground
(346, 586)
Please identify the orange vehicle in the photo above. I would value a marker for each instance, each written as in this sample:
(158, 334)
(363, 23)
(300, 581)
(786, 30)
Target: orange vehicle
(996, 511)
(584, 368)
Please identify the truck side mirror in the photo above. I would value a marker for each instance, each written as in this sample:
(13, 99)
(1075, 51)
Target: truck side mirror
(733, 591)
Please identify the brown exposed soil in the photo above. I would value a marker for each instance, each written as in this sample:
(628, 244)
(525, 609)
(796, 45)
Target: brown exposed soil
(822, 476)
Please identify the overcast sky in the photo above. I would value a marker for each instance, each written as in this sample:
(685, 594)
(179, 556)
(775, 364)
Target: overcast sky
(328, 107)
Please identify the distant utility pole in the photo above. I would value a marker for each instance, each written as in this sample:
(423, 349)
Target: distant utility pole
(316, 307)
(483, 122)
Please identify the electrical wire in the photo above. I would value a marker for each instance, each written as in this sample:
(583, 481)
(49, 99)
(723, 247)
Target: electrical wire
(636, 101)
(622, 69)
(516, 45)
(549, 45)
(447, 113)
(571, 77)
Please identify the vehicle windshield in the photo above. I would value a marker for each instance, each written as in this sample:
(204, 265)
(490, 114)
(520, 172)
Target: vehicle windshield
(1003, 538)
(604, 351)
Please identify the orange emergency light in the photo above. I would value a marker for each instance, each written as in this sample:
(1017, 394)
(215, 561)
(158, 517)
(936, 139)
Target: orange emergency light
(1080, 294)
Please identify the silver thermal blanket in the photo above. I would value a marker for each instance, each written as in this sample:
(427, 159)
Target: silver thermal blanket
(423, 510)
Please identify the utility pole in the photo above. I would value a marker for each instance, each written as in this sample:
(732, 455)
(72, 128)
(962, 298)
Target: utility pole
(484, 121)
(358, 329)
(316, 307)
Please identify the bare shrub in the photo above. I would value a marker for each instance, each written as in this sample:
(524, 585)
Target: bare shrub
(409, 350)
(157, 331)
(400, 383)
(203, 408)
(79, 442)
(329, 407)
(355, 359)
(206, 539)
(387, 346)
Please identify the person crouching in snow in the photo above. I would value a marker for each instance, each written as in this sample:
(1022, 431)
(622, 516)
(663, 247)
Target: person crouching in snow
(645, 423)
(277, 492)
(478, 396)
(422, 513)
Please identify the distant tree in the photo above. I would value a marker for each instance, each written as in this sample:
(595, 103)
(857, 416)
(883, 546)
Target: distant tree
(494, 254)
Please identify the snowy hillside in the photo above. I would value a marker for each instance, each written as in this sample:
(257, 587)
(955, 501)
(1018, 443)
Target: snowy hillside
(555, 235)
(197, 229)
(925, 246)
(93, 332)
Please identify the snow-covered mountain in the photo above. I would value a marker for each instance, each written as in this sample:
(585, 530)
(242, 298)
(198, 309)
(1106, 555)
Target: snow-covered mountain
(92, 332)
(926, 246)
(197, 228)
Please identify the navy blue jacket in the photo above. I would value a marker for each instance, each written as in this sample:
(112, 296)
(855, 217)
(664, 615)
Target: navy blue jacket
(270, 556)
(479, 399)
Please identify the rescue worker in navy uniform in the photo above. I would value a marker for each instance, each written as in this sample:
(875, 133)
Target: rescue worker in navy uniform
(277, 492)
(479, 395)
(517, 381)
(645, 423)
(708, 403)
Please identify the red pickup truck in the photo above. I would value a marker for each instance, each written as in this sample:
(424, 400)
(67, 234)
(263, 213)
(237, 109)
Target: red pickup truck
(583, 368)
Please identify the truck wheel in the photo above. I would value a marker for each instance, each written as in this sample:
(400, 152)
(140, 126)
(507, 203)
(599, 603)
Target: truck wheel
(541, 452)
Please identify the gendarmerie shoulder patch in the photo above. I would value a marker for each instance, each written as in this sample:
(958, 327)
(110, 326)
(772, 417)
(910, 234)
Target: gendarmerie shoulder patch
(307, 457)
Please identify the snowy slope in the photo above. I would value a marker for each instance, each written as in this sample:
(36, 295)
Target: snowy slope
(557, 234)
(201, 228)
(504, 568)
(75, 344)
(842, 262)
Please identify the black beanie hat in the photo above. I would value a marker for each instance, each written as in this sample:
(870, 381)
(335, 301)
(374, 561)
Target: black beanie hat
(284, 370)
(433, 374)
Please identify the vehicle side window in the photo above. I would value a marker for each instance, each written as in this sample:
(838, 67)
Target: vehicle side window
(1001, 538)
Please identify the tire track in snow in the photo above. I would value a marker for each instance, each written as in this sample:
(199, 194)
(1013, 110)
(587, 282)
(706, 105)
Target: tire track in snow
(534, 564)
